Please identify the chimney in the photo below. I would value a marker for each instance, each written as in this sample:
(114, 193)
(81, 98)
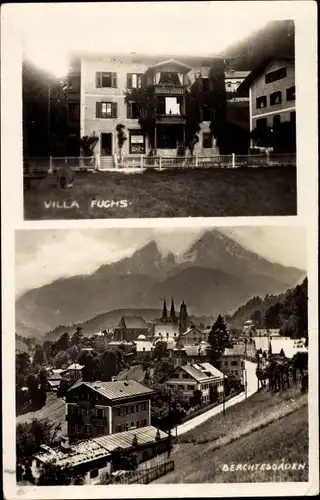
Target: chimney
(65, 444)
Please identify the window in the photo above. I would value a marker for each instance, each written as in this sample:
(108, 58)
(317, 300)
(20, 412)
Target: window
(226, 363)
(143, 422)
(105, 79)
(261, 123)
(207, 140)
(132, 111)
(73, 112)
(229, 85)
(106, 110)
(261, 102)
(131, 409)
(118, 412)
(126, 411)
(276, 121)
(100, 413)
(293, 116)
(76, 428)
(234, 363)
(134, 80)
(278, 74)
(275, 98)
(189, 387)
(205, 84)
(137, 142)
(118, 428)
(132, 424)
(127, 426)
(94, 473)
(291, 93)
(185, 375)
(137, 408)
(100, 429)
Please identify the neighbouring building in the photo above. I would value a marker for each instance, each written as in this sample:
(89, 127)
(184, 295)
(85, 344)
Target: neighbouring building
(190, 354)
(232, 363)
(100, 408)
(192, 377)
(193, 336)
(92, 458)
(54, 381)
(233, 80)
(143, 345)
(272, 95)
(73, 372)
(129, 328)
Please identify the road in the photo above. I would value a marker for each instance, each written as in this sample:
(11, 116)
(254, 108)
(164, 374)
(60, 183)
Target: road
(252, 387)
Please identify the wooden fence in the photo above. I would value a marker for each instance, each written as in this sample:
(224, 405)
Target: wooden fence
(152, 474)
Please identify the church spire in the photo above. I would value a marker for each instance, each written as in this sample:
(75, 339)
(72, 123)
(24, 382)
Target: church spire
(172, 311)
(164, 311)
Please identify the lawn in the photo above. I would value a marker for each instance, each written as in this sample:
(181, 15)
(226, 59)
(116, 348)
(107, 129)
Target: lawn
(265, 428)
(179, 193)
(54, 409)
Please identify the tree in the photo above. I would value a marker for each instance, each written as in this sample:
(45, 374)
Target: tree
(63, 342)
(32, 384)
(217, 104)
(23, 365)
(160, 351)
(121, 136)
(145, 102)
(272, 316)
(52, 474)
(218, 340)
(196, 398)
(62, 360)
(76, 337)
(108, 365)
(162, 368)
(87, 145)
(30, 435)
(213, 394)
(43, 379)
(91, 362)
(38, 356)
(73, 352)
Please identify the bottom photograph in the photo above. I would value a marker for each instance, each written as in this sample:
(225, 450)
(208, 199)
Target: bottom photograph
(161, 355)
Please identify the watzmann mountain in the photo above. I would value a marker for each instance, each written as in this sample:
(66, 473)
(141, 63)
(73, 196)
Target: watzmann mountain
(215, 275)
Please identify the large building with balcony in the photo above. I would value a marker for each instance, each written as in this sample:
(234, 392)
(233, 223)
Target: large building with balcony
(101, 408)
(104, 81)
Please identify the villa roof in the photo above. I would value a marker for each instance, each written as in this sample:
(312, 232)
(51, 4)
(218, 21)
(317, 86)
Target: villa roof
(115, 390)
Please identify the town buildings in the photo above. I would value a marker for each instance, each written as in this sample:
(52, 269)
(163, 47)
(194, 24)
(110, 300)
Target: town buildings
(129, 328)
(171, 326)
(191, 377)
(73, 372)
(232, 363)
(272, 96)
(101, 408)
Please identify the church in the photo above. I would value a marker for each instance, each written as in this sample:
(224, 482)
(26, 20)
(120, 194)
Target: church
(171, 326)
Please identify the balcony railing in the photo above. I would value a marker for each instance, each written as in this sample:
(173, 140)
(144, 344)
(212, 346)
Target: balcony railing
(169, 89)
(170, 120)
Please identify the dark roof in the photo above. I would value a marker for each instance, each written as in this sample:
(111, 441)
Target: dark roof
(133, 322)
(116, 390)
(258, 70)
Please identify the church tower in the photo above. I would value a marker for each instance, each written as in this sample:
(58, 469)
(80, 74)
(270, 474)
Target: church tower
(173, 317)
(183, 318)
(164, 317)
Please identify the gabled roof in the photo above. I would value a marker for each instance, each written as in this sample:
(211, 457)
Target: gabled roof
(115, 390)
(169, 62)
(256, 72)
(191, 328)
(74, 366)
(132, 322)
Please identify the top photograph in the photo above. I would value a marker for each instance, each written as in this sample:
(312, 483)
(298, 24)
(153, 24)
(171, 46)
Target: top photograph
(148, 111)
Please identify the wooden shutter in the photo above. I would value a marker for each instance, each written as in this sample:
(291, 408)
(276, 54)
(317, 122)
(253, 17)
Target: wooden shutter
(114, 110)
(129, 80)
(98, 110)
(98, 79)
(114, 80)
(129, 110)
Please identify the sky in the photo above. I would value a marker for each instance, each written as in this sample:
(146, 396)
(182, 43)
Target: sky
(51, 31)
(45, 255)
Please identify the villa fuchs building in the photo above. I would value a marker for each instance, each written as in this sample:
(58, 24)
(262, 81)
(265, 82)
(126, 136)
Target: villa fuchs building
(101, 408)
(104, 81)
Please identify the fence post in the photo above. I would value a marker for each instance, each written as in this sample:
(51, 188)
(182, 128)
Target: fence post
(141, 161)
(50, 165)
(197, 161)
(97, 162)
(160, 163)
(233, 160)
(268, 157)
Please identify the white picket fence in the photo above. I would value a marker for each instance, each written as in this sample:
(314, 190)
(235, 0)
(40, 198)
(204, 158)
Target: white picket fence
(142, 162)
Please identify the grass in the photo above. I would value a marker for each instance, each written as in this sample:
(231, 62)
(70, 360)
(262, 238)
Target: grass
(54, 410)
(182, 193)
(265, 428)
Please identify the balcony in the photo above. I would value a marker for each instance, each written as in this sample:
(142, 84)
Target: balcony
(170, 119)
(169, 89)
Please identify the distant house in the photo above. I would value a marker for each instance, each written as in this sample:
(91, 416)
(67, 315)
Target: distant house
(73, 372)
(143, 345)
(129, 328)
(193, 336)
(232, 362)
(100, 408)
(190, 354)
(191, 377)
(54, 381)
(92, 458)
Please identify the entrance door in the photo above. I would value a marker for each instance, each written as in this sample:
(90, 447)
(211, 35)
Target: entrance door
(106, 144)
